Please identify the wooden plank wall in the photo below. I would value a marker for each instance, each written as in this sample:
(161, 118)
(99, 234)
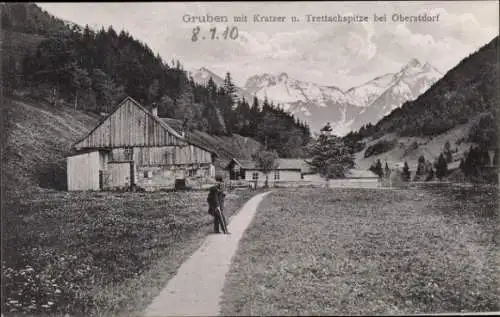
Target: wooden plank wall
(170, 155)
(119, 175)
(129, 126)
(83, 171)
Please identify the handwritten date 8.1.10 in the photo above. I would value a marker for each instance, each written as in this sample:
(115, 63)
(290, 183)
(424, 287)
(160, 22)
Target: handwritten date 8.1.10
(214, 34)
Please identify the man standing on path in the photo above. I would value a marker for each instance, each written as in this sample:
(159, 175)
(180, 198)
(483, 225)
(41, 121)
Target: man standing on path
(215, 201)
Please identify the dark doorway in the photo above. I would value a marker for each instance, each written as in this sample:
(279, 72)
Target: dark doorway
(132, 176)
(180, 184)
(101, 180)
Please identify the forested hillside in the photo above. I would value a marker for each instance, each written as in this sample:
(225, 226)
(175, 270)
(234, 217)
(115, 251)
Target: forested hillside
(468, 90)
(93, 70)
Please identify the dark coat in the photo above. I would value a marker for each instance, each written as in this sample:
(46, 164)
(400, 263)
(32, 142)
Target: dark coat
(215, 199)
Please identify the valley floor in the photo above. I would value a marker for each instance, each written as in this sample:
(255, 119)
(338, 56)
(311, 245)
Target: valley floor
(368, 251)
(99, 253)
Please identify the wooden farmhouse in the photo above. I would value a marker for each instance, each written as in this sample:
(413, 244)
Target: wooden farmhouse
(132, 148)
(289, 172)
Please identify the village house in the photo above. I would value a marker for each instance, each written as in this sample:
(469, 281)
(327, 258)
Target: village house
(132, 148)
(289, 172)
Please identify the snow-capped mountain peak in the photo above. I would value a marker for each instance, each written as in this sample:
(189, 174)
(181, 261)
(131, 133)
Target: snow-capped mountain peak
(282, 76)
(202, 75)
(413, 63)
(410, 82)
(346, 110)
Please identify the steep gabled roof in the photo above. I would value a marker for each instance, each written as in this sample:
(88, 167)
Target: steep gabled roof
(161, 122)
(138, 105)
(198, 138)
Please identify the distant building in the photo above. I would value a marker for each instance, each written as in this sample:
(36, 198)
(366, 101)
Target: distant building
(289, 172)
(133, 148)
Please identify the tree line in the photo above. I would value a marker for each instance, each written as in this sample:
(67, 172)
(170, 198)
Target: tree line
(94, 70)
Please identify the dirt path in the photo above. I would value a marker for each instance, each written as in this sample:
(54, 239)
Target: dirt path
(197, 287)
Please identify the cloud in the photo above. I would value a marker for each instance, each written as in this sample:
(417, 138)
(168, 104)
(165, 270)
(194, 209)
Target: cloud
(338, 54)
(463, 27)
(442, 43)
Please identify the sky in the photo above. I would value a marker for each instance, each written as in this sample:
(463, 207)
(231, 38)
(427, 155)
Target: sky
(337, 54)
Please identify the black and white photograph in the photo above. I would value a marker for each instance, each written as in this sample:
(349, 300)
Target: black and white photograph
(247, 158)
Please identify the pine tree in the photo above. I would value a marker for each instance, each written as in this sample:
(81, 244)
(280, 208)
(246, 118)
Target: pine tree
(421, 168)
(377, 168)
(485, 157)
(229, 86)
(430, 175)
(406, 172)
(441, 167)
(472, 162)
(387, 170)
(331, 157)
(380, 171)
(447, 152)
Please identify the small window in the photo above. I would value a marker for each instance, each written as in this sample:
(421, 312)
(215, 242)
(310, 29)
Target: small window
(255, 175)
(276, 175)
(148, 174)
(192, 172)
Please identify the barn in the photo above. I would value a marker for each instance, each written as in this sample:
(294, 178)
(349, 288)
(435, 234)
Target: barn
(132, 148)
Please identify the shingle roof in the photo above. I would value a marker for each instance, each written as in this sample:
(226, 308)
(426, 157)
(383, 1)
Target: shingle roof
(247, 164)
(199, 138)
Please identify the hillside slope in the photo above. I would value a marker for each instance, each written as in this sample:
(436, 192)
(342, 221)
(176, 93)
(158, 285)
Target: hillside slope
(37, 138)
(449, 111)
(468, 89)
(410, 148)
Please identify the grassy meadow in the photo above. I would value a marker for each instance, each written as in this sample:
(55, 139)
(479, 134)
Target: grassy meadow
(368, 251)
(98, 253)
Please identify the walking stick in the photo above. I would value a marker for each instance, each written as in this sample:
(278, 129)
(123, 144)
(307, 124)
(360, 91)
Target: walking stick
(223, 221)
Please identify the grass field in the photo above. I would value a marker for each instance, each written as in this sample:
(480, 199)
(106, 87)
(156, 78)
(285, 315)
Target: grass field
(97, 253)
(363, 251)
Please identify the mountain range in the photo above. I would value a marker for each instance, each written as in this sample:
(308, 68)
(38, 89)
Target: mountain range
(345, 110)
